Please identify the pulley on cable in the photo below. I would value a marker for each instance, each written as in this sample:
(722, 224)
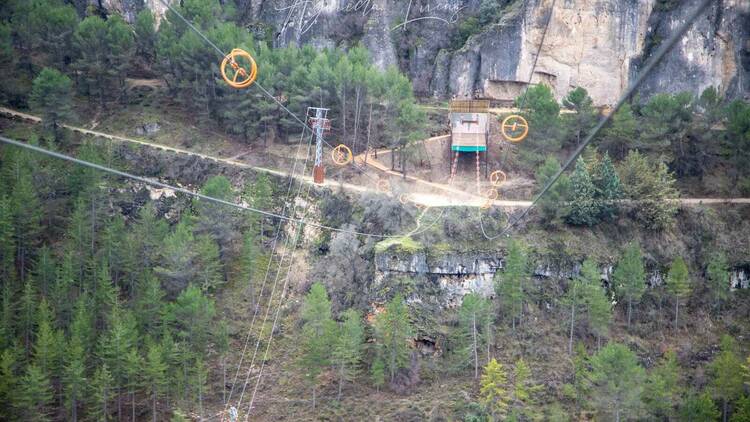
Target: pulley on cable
(238, 69)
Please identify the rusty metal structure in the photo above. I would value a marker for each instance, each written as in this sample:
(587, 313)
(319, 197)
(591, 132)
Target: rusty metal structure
(318, 120)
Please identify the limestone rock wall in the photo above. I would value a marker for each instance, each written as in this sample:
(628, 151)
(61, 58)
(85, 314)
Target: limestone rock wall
(596, 44)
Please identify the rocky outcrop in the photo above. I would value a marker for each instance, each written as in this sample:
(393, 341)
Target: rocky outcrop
(597, 44)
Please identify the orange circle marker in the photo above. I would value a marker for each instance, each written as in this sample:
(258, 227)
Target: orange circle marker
(384, 186)
(491, 194)
(514, 128)
(238, 69)
(498, 177)
(403, 198)
(341, 155)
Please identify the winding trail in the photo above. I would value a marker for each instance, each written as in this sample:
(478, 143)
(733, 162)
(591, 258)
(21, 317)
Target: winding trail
(452, 196)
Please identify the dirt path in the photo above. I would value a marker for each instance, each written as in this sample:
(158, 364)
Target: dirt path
(452, 196)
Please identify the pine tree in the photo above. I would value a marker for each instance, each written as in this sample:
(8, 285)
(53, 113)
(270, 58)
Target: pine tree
(47, 347)
(599, 311)
(523, 392)
(199, 379)
(651, 186)
(26, 315)
(552, 204)
(52, 94)
(120, 49)
(7, 243)
(133, 371)
(191, 314)
(580, 294)
(74, 379)
(377, 373)
(149, 306)
(177, 266)
(608, 188)
(209, 267)
(347, 348)
(114, 346)
(661, 393)
(34, 395)
(726, 373)
(510, 286)
(217, 220)
(473, 316)
(248, 261)
(44, 270)
(27, 215)
(154, 375)
(717, 274)
(392, 331)
(221, 341)
(145, 35)
(630, 277)
(90, 40)
(102, 389)
(699, 408)
(742, 410)
(8, 381)
(259, 195)
(584, 206)
(618, 381)
(316, 335)
(678, 284)
(493, 392)
(584, 117)
(620, 135)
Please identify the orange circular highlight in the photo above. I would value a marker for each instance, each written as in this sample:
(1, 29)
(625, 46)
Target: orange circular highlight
(514, 128)
(498, 177)
(384, 186)
(403, 198)
(491, 194)
(238, 69)
(341, 155)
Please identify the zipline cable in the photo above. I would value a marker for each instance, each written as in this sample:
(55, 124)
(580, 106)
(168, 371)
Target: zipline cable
(268, 267)
(660, 53)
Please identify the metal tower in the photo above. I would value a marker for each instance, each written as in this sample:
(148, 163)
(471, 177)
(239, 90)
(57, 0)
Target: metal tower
(319, 123)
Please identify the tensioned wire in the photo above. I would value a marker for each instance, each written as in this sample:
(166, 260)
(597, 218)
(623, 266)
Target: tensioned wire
(658, 56)
(188, 192)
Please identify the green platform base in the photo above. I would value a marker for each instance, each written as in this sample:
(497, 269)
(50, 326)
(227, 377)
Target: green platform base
(468, 149)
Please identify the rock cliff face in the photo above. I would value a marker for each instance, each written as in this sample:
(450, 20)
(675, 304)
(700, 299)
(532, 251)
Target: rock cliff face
(596, 44)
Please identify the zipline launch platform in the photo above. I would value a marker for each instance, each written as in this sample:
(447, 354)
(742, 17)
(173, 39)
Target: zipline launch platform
(469, 121)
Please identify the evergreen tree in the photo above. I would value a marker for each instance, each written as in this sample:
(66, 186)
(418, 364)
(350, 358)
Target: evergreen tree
(217, 220)
(154, 375)
(543, 116)
(583, 119)
(699, 408)
(661, 393)
(620, 135)
(8, 381)
(347, 348)
(7, 244)
(584, 206)
(581, 294)
(599, 307)
(149, 307)
(221, 340)
(259, 196)
(630, 277)
(618, 381)
(552, 204)
(177, 266)
(27, 214)
(191, 315)
(102, 389)
(52, 94)
(248, 263)
(74, 379)
(608, 188)
(742, 410)
(377, 373)
(114, 346)
(717, 274)
(510, 286)
(474, 315)
(26, 316)
(726, 374)
(90, 40)
(198, 381)
(651, 186)
(133, 371)
(678, 284)
(316, 335)
(523, 392)
(145, 35)
(34, 395)
(392, 331)
(47, 348)
(493, 390)
(209, 273)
